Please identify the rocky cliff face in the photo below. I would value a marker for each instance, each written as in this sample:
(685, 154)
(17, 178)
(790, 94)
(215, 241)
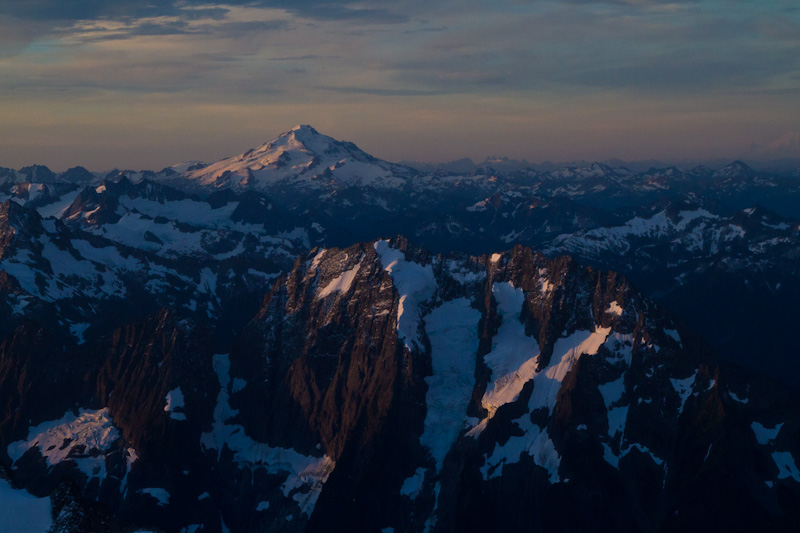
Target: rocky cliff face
(383, 386)
(543, 394)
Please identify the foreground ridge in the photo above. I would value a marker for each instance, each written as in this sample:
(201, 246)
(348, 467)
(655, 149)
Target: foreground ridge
(381, 385)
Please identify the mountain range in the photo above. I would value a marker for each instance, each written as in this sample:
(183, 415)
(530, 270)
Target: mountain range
(304, 337)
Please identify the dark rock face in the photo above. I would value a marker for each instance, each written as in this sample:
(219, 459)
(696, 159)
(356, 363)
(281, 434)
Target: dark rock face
(383, 386)
(72, 512)
(32, 367)
(628, 473)
(335, 368)
(142, 363)
(39, 173)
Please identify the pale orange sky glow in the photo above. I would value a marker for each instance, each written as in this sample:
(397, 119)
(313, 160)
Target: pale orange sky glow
(136, 86)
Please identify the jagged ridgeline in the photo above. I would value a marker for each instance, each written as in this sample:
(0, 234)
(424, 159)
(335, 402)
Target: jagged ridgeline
(382, 387)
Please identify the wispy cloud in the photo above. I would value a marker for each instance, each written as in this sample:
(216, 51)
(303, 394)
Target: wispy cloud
(381, 92)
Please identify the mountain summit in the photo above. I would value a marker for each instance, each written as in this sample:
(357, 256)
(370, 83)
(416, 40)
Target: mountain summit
(302, 157)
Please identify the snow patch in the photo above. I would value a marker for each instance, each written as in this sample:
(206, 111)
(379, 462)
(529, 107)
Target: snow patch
(613, 459)
(511, 236)
(765, 435)
(317, 259)
(609, 456)
(548, 382)
(643, 449)
(478, 207)
(159, 494)
(787, 468)
(534, 441)
(341, 283)
(238, 384)
(77, 330)
(737, 398)
(675, 335)
(684, 389)
(174, 404)
(83, 439)
(413, 484)
(617, 415)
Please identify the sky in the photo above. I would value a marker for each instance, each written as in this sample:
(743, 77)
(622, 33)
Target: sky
(143, 84)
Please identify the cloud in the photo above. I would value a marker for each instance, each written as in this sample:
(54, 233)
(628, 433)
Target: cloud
(136, 29)
(426, 29)
(61, 10)
(381, 92)
(666, 74)
(306, 57)
(55, 10)
(516, 46)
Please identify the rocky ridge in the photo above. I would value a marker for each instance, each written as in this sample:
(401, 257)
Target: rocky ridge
(384, 386)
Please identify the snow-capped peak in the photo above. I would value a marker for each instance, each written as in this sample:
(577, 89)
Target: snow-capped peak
(301, 138)
(300, 157)
(305, 129)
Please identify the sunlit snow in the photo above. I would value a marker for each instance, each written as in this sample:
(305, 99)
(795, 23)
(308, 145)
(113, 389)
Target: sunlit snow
(341, 283)
(514, 355)
(93, 430)
(415, 283)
